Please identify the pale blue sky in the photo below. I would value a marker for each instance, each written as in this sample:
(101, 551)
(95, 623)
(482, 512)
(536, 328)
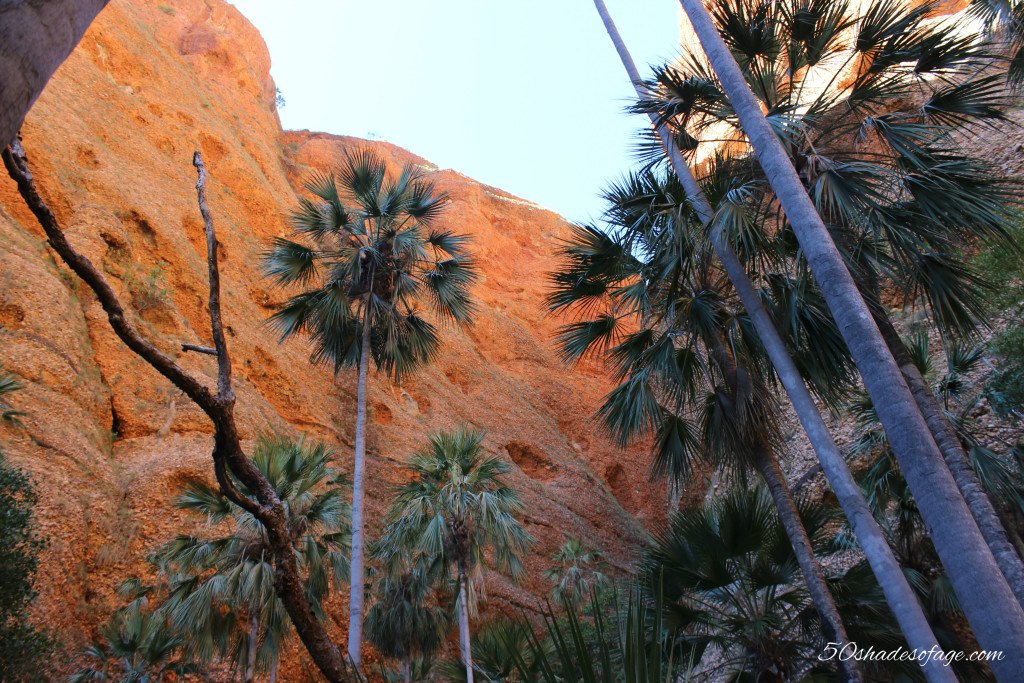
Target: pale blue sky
(524, 95)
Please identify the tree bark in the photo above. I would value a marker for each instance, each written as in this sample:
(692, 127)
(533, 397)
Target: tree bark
(989, 604)
(898, 593)
(36, 36)
(768, 465)
(228, 456)
(982, 509)
(355, 600)
(467, 655)
(817, 586)
(250, 667)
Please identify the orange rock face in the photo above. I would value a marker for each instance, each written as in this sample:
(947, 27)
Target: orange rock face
(107, 439)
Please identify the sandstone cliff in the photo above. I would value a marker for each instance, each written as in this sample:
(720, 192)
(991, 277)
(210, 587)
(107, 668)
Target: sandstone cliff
(107, 439)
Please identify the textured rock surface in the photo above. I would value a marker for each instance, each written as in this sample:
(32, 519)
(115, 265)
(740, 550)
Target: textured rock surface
(107, 439)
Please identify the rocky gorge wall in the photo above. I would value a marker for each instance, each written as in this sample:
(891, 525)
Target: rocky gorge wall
(107, 440)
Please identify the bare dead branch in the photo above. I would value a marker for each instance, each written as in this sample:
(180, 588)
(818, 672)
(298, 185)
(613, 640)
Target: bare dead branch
(229, 459)
(219, 343)
(199, 349)
(17, 167)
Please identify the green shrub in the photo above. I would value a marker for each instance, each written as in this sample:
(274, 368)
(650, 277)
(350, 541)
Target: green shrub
(148, 289)
(1004, 388)
(1003, 265)
(23, 647)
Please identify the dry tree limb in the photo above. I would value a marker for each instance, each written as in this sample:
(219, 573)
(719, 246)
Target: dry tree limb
(229, 459)
(199, 349)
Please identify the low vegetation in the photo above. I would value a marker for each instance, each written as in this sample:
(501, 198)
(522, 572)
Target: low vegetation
(751, 583)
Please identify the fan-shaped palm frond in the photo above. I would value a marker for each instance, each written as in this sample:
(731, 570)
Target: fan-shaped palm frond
(455, 509)
(369, 244)
(220, 590)
(577, 571)
(9, 384)
(137, 646)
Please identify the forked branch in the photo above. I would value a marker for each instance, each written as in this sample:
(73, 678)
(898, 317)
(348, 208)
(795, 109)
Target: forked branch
(229, 459)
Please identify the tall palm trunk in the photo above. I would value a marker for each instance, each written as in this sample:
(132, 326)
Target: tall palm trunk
(274, 664)
(768, 465)
(817, 586)
(898, 592)
(984, 512)
(356, 589)
(467, 655)
(250, 666)
(989, 604)
(35, 37)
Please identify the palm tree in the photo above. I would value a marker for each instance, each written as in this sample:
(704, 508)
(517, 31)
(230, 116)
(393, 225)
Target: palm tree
(9, 384)
(897, 590)
(730, 583)
(221, 589)
(454, 507)
(994, 613)
(910, 191)
(731, 580)
(140, 646)
(370, 252)
(407, 621)
(663, 316)
(577, 571)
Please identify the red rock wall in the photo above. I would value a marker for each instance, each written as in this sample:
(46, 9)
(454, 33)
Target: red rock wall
(107, 439)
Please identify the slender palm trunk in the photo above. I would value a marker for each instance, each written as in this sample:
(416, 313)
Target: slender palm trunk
(274, 664)
(355, 600)
(250, 666)
(408, 669)
(768, 465)
(984, 512)
(989, 604)
(467, 655)
(817, 586)
(898, 593)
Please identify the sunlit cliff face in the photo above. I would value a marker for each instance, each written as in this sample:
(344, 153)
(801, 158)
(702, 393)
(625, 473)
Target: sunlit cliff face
(831, 75)
(107, 440)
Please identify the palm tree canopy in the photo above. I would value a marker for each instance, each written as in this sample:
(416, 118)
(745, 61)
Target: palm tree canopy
(407, 619)
(576, 572)
(367, 242)
(652, 302)
(456, 507)
(729, 578)
(207, 574)
(866, 105)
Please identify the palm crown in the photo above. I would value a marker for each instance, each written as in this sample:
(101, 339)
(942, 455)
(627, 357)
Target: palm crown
(865, 105)
(577, 570)
(456, 506)
(653, 303)
(370, 251)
